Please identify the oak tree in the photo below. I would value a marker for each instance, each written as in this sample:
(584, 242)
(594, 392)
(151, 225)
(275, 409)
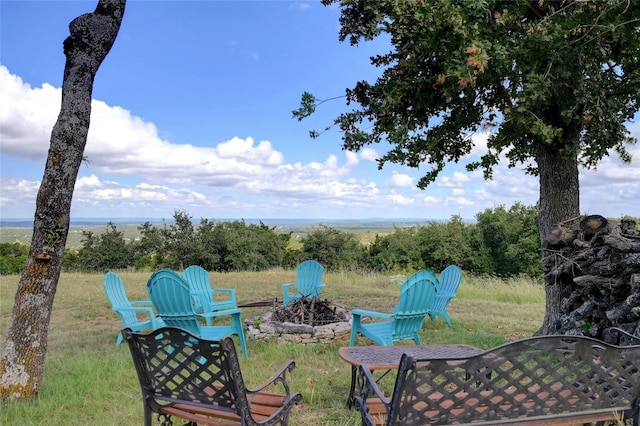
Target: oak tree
(553, 81)
(91, 37)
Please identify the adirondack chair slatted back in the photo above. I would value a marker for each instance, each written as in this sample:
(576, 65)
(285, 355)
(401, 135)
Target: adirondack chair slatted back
(417, 295)
(530, 377)
(171, 296)
(449, 282)
(137, 315)
(199, 287)
(114, 288)
(308, 281)
(183, 375)
(203, 294)
(309, 277)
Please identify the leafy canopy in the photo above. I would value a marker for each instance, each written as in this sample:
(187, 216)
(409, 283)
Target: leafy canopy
(563, 74)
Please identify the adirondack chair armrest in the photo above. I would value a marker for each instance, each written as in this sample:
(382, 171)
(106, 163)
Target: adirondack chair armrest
(155, 321)
(199, 294)
(221, 313)
(142, 302)
(230, 291)
(287, 286)
(137, 309)
(279, 377)
(370, 390)
(365, 313)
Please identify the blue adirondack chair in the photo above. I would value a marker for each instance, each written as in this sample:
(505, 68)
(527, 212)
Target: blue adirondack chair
(204, 299)
(308, 282)
(449, 282)
(171, 297)
(417, 295)
(137, 315)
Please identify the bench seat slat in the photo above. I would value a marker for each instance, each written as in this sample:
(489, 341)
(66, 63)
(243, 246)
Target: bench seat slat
(377, 409)
(560, 380)
(199, 415)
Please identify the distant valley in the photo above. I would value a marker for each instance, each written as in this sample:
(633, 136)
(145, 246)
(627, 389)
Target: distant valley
(20, 230)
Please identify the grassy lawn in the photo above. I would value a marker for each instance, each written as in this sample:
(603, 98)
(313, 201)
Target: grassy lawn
(88, 380)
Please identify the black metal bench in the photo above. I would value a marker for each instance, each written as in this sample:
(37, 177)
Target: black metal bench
(200, 380)
(541, 380)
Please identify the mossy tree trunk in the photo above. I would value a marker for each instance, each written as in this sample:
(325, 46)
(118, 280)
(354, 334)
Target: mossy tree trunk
(21, 368)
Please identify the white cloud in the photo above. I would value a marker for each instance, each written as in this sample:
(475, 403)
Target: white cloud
(27, 116)
(16, 192)
(132, 171)
(479, 143)
(458, 180)
(302, 6)
(369, 154)
(431, 201)
(400, 199)
(352, 159)
(401, 180)
(241, 173)
(458, 202)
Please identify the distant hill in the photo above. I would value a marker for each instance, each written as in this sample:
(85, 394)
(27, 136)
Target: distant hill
(338, 223)
(20, 230)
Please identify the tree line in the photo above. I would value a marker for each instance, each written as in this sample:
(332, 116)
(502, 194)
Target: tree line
(502, 241)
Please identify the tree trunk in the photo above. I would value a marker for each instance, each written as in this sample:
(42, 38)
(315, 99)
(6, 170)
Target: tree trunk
(559, 202)
(22, 363)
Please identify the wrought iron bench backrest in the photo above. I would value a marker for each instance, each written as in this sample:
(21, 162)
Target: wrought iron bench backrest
(174, 366)
(532, 377)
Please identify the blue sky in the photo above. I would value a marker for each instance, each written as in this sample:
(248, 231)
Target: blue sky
(192, 111)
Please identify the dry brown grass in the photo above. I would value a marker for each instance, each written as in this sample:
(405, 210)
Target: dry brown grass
(90, 381)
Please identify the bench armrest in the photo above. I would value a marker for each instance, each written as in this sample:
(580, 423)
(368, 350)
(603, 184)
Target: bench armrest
(284, 402)
(279, 376)
(369, 391)
(626, 334)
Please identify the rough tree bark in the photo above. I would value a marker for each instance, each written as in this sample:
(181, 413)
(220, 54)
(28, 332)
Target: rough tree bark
(559, 201)
(91, 37)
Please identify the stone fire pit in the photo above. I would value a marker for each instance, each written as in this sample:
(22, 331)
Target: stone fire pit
(263, 327)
